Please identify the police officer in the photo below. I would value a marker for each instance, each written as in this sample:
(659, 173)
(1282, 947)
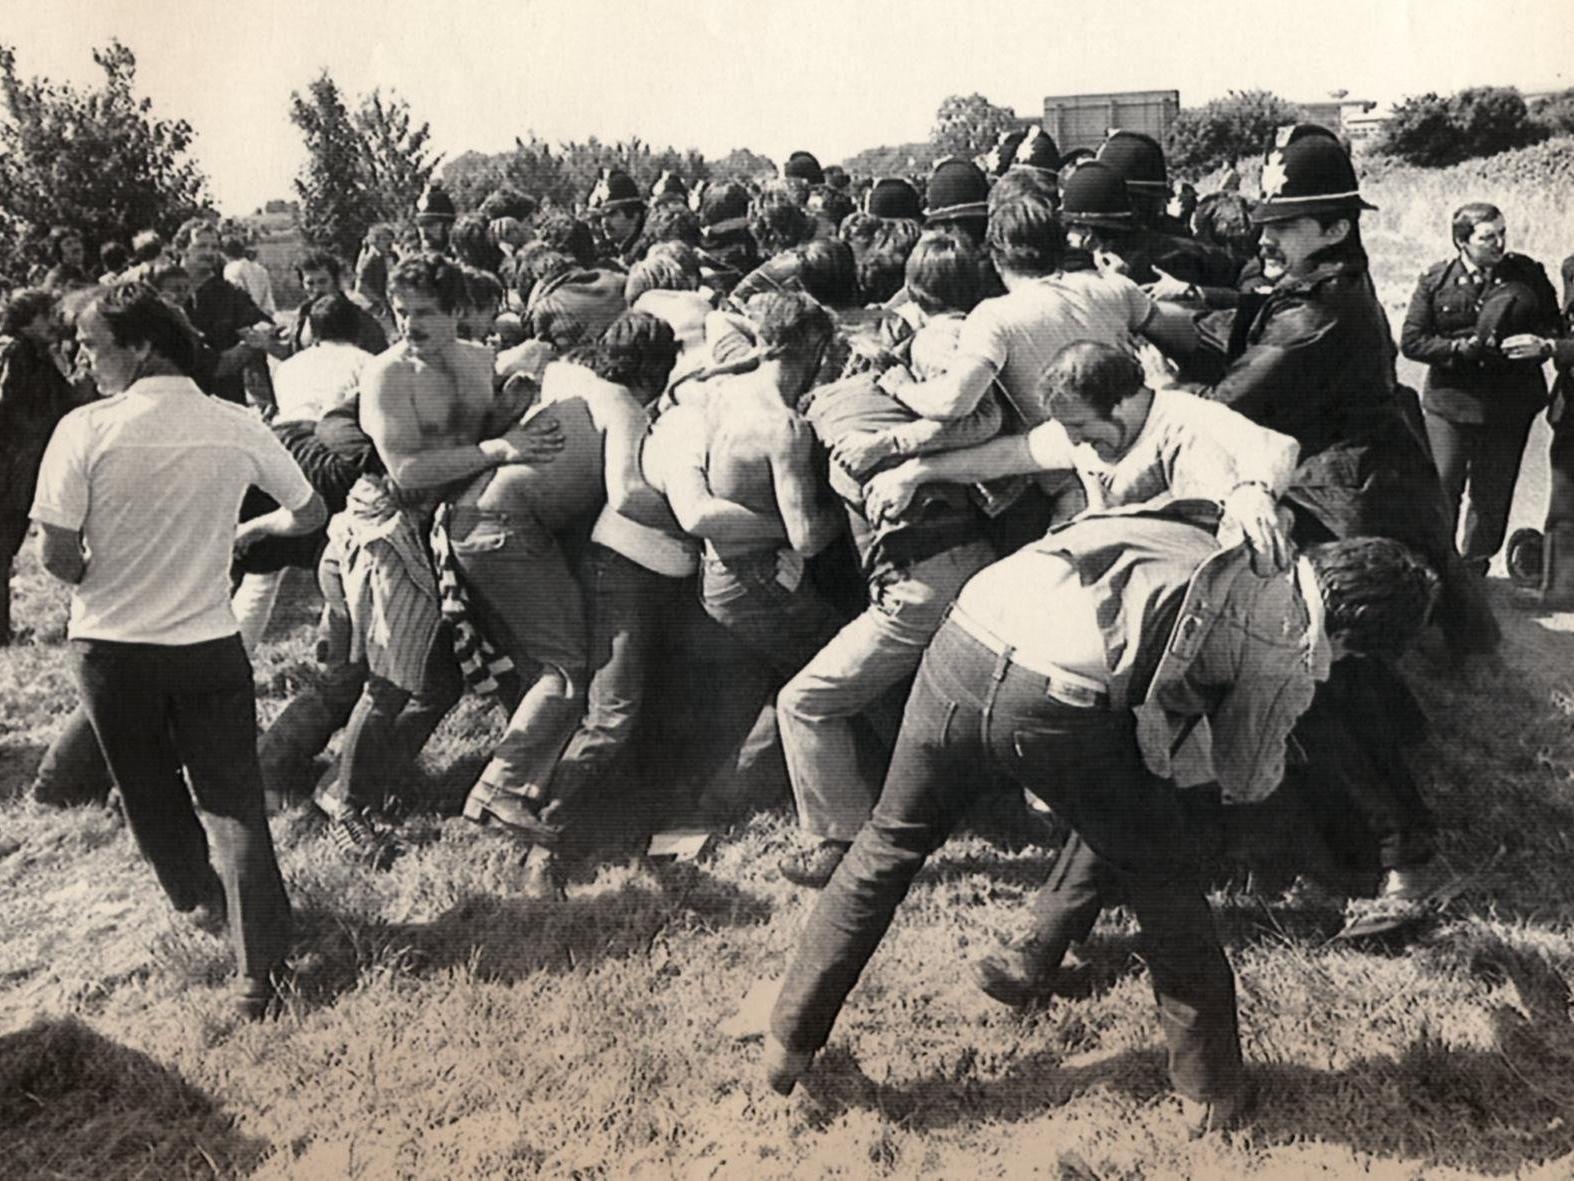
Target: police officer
(617, 209)
(957, 197)
(434, 217)
(1479, 400)
(1139, 161)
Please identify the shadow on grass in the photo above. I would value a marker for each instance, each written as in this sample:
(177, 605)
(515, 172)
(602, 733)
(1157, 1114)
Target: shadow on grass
(505, 939)
(75, 1104)
(1497, 1111)
(18, 764)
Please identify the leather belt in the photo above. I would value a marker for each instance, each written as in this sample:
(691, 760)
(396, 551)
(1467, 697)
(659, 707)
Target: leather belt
(1060, 684)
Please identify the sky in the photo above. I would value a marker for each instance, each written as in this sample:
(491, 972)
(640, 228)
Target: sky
(829, 76)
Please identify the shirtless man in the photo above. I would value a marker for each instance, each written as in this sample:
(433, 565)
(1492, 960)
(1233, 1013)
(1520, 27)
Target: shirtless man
(760, 453)
(429, 408)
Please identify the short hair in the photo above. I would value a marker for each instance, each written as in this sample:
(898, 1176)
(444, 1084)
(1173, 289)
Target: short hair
(564, 232)
(333, 317)
(828, 272)
(791, 320)
(136, 315)
(859, 230)
(535, 263)
(1018, 183)
(507, 201)
(58, 237)
(1377, 593)
(779, 223)
(1089, 371)
(208, 257)
(1026, 236)
(320, 260)
(147, 245)
(724, 202)
(670, 222)
(431, 274)
(470, 239)
(1225, 219)
(663, 270)
(189, 227)
(882, 267)
(637, 351)
(161, 273)
(1468, 216)
(482, 289)
(113, 257)
(946, 273)
(832, 204)
(24, 307)
(233, 246)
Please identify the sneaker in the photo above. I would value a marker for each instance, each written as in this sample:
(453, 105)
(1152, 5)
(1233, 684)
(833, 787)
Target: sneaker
(784, 1067)
(813, 868)
(357, 840)
(1016, 976)
(1202, 1117)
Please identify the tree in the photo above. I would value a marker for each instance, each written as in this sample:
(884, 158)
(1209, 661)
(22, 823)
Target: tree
(1434, 132)
(1555, 112)
(909, 160)
(1226, 129)
(565, 174)
(742, 164)
(360, 168)
(969, 126)
(95, 159)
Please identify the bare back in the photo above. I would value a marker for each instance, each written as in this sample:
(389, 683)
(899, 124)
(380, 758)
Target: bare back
(759, 453)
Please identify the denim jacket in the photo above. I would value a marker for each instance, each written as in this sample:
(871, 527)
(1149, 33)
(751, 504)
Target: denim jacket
(1240, 669)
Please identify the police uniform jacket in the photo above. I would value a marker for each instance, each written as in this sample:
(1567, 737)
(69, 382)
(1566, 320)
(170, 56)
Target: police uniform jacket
(1451, 304)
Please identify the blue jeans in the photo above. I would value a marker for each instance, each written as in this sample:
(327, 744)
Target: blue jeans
(768, 602)
(627, 605)
(971, 712)
(527, 602)
(835, 781)
(157, 709)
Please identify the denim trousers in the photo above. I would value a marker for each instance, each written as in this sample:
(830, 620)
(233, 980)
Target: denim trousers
(158, 709)
(529, 604)
(626, 606)
(835, 778)
(973, 712)
(769, 604)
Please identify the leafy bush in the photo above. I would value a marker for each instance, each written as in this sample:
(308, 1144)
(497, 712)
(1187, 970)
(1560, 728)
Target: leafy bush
(1226, 129)
(1555, 112)
(1434, 132)
(967, 125)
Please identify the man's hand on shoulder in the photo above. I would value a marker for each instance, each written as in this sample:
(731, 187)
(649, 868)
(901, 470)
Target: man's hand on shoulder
(1251, 514)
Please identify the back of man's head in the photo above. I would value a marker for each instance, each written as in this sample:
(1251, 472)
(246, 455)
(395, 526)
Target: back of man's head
(433, 275)
(1089, 371)
(790, 322)
(1026, 237)
(946, 273)
(564, 232)
(233, 247)
(146, 245)
(332, 317)
(637, 351)
(136, 315)
(1377, 593)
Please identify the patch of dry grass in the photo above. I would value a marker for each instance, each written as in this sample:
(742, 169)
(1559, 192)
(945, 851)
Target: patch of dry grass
(443, 1025)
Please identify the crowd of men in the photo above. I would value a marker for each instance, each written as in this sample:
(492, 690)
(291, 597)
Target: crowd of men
(1040, 472)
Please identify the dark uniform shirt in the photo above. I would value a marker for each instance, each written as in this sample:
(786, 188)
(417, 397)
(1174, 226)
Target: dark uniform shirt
(1453, 303)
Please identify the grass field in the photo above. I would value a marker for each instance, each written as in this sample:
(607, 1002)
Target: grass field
(444, 1026)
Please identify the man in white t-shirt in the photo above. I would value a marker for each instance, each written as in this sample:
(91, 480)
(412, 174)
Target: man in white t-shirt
(1007, 342)
(137, 504)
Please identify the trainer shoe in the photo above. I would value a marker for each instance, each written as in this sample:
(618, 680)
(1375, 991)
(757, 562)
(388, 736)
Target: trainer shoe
(813, 868)
(357, 840)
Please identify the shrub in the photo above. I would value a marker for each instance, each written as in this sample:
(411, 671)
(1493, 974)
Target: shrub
(1433, 132)
(1226, 129)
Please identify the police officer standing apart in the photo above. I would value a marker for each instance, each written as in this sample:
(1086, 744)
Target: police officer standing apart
(1480, 398)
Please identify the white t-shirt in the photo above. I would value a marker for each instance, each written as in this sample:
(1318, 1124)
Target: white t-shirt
(253, 278)
(1189, 448)
(153, 479)
(1019, 333)
(313, 381)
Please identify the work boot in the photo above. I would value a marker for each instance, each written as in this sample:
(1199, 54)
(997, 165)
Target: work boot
(813, 868)
(1018, 976)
